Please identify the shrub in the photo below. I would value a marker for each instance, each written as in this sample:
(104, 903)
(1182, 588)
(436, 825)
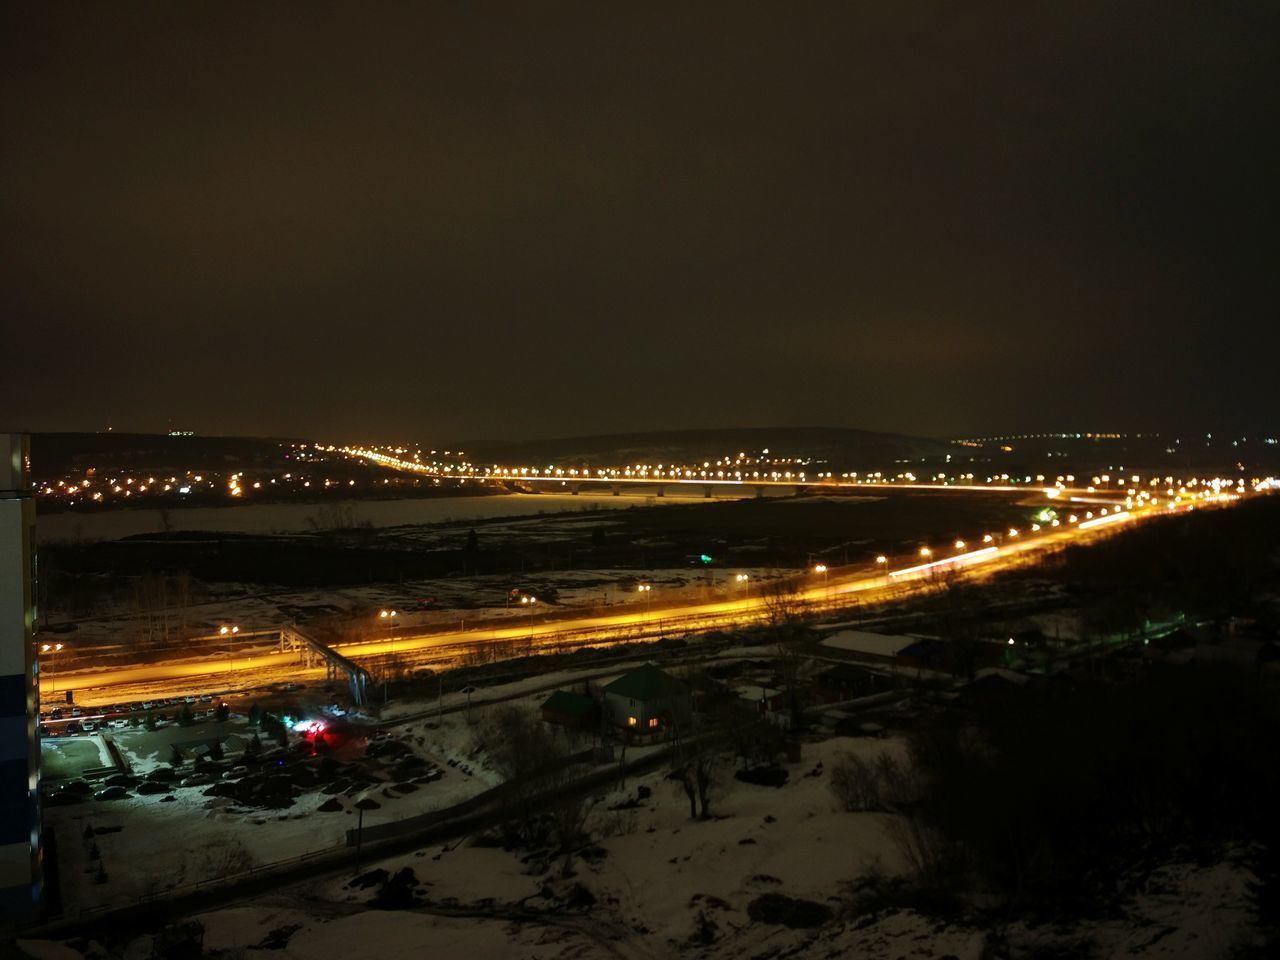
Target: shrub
(856, 784)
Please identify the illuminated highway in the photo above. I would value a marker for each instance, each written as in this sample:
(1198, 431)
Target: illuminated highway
(810, 593)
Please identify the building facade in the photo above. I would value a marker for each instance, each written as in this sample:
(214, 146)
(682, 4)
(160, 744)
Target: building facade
(21, 854)
(647, 703)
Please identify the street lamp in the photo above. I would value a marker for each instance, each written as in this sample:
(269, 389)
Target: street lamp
(51, 649)
(388, 617)
(646, 589)
(926, 552)
(229, 632)
(960, 544)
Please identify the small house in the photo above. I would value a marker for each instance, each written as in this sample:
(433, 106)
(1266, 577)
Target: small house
(646, 702)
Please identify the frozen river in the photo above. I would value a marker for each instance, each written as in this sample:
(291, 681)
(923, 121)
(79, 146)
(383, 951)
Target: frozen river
(296, 517)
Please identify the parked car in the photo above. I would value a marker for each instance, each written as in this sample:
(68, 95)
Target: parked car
(74, 727)
(111, 793)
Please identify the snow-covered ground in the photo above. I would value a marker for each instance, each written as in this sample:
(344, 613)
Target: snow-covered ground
(663, 875)
(190, 839)
(660, 871)
(298, 517)
(663, 885)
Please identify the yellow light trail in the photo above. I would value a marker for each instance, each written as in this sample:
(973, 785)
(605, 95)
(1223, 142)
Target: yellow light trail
(638, 623)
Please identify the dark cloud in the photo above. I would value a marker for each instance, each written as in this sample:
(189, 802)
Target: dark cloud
(452, 220)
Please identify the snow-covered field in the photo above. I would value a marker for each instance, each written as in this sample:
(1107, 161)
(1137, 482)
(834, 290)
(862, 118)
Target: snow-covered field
(297, 517)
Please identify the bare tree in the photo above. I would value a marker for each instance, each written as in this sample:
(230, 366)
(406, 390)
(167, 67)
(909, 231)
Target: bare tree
(754, 739)
(570, 809)
(541, 782)
(529, 760)
(182, 587)
(697, 744)
(957, 607)
(786, 628)
(695, 767)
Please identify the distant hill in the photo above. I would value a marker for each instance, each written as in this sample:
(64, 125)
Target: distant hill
(56, 454)
(840, 447)
(1142, 453)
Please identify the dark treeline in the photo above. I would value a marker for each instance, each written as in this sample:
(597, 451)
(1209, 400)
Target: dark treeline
(1053, 798)
(1211, 563)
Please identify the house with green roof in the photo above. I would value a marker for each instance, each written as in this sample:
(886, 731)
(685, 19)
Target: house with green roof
(646, 702)
(574, 710)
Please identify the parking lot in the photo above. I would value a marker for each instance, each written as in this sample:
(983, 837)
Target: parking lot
(75, 721)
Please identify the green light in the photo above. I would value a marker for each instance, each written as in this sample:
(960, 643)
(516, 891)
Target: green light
(705, 558)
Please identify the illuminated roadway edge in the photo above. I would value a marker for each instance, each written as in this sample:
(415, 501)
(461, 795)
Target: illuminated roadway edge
(635, 623)
(524, 475)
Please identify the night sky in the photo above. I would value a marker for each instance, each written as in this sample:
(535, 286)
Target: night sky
(478, 220)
